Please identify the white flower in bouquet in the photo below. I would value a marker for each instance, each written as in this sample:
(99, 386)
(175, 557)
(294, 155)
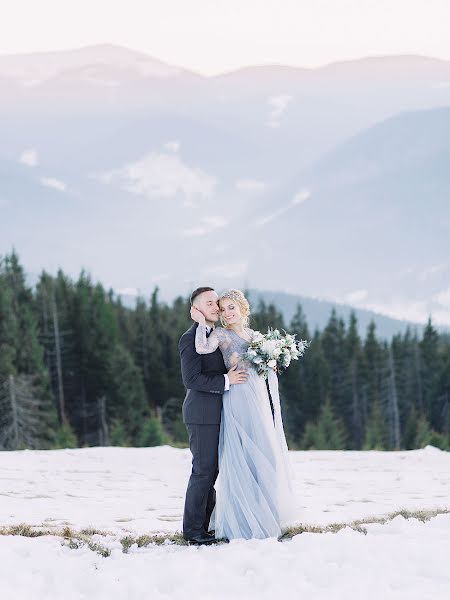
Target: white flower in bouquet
(273, 351)
(269, 347)
(286, 359)
(257, 337)
(302, 345)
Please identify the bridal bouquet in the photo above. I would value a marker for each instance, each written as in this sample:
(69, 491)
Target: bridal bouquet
(273, 350)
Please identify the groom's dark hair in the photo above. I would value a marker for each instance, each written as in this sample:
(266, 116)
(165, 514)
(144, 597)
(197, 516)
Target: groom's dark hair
(199, 291)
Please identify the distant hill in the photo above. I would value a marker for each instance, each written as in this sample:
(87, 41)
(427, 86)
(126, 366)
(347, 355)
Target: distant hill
(317, 313)
(374, 211)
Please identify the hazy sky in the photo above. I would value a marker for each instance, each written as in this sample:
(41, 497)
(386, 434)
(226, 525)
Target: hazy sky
(211, 36)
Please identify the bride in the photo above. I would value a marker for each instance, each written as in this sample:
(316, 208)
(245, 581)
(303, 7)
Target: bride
(255, 497)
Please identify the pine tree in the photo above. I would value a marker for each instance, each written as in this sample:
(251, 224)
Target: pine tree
(22, 367)
(141, 346)
(410, 429)
(53, 339)
(328, 433)
(431, 364)
(373, 390)
(423, 433)
(152, 350)
(392, 404)
(9, 330)
(405, 352)
(266, 315)
(65, 437)
(426, 436)
(354, 367)
(444, 387)
(125, 394)
(95, 339)
(375, 438)
(373, 364)
(293, 384)
(333, 344)
(172, 421)
(152, 433)
(318, 381)
(118, 435)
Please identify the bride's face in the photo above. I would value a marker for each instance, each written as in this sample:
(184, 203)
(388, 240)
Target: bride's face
(230, 311)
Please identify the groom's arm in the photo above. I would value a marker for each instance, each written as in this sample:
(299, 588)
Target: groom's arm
(191, 370)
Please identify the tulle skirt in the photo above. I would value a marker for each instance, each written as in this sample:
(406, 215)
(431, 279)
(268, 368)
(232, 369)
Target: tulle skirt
(254, 487)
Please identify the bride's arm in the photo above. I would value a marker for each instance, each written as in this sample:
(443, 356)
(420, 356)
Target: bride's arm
(203, 344)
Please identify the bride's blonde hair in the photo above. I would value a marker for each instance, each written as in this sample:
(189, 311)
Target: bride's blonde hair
(238, 297)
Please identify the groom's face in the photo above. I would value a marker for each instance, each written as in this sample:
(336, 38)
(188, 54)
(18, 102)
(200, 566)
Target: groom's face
(208, 304)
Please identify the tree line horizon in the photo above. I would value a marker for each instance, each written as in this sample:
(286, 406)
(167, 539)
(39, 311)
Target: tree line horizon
(78, 368)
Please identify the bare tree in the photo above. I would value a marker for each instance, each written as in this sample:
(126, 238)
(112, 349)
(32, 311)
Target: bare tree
(392, 404)
(19, 408)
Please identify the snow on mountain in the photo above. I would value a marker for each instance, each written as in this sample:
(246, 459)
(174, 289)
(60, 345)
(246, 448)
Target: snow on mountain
(329, 183)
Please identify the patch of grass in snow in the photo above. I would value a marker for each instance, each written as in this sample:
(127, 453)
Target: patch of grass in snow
(158, 539)
(77, 539)
(358, 524)
(24, 530)
(72, 539)
(94, 531)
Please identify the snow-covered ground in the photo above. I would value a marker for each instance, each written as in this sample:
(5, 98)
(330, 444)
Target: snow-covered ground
(142, 490)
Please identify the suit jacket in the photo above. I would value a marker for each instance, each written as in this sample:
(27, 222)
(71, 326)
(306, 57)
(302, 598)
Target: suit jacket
(203, 378)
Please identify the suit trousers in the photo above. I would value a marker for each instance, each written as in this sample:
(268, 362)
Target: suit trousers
(200, 494)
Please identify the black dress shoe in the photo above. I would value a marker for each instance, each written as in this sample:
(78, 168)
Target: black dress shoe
(201, 539)
(212, 533)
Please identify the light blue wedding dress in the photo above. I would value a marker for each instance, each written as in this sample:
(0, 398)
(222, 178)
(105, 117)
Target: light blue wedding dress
(254, 487)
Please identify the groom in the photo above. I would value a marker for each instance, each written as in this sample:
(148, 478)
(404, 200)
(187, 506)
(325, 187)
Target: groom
(205, 378)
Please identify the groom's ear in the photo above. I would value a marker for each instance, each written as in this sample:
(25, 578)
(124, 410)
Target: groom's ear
(195, 303)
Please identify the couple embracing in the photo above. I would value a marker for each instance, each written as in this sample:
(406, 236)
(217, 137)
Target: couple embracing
(235, 428)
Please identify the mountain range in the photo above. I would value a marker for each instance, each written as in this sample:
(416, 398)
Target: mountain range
(330, 183)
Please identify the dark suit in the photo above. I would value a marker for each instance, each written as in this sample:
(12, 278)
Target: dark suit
(203, 377)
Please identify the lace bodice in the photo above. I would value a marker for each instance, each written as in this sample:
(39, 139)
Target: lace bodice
(230, 343)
